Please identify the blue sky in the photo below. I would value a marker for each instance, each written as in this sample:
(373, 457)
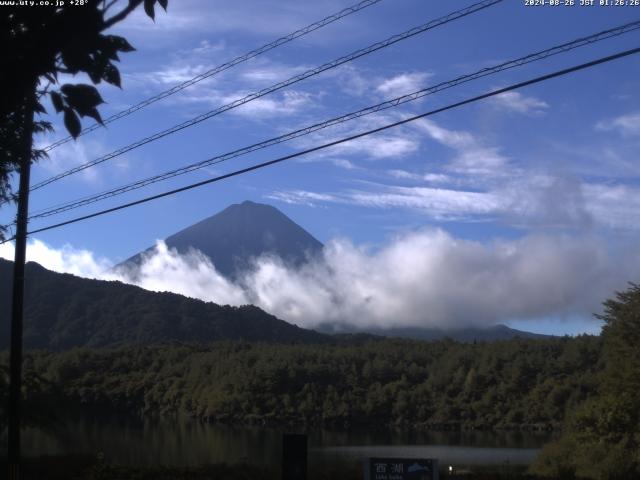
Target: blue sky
(557, 161)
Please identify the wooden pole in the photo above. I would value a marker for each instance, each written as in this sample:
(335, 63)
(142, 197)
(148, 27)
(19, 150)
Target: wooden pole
(17, 304)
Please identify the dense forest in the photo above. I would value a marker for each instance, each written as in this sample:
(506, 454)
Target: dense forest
(587, 387)
(511, 384)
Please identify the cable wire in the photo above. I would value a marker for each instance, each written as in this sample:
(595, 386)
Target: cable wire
(220, 68)
(493, 93)
(295, 79)
(533, 57)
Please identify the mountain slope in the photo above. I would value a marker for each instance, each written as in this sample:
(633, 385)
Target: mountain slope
(64, 311)
(468, 334)
(240, 232)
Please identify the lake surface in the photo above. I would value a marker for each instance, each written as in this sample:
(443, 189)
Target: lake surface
(181, 443)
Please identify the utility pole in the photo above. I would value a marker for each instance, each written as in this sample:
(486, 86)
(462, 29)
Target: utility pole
(17, 303)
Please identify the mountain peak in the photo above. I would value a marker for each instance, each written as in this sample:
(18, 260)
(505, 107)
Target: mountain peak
(248, 204)
(241, 232)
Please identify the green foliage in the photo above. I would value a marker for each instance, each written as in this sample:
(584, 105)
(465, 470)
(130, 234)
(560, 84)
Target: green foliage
(412, 384)
(603, 437)
(41, 397)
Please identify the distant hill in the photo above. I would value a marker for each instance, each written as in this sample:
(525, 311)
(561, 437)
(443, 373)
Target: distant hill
(468, 334)
(64, 311)
(241, 232)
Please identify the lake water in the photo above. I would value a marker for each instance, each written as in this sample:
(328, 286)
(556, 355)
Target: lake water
(183, 443)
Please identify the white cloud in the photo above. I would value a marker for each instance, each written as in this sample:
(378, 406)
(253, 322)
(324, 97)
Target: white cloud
(628, 125)
(301, 197)
(435, 178)
(438, 203)
(432, 279)
(425, 278)
(616, 206)
(344, 163)
(356, 81)
(567, 201)
(399, 173)
(285, 103)
(378, 147)
(480, 161)
(264, 72)
(183, 64)
(289, 102)
(456, 139)
(403, 84)
(482, 184)
(75, 153)
(352, 80)
(392, 144)
(533, 200)
(472, 157)
(226, 86)
(174, 74)
(64, 260)
(229, 86)
(519, 103)
(191, 274)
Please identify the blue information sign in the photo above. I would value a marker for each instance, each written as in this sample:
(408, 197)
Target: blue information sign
(401, 469)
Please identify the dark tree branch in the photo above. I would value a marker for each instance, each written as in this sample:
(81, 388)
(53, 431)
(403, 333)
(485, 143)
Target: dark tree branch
(41, 93)
(122, 15)
(107, 6)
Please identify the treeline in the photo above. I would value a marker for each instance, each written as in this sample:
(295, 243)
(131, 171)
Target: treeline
(445, 384)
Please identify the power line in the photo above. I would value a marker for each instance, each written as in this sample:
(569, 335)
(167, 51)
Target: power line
(540, 55)
(225, 66)
(493, 93)
(295, 79)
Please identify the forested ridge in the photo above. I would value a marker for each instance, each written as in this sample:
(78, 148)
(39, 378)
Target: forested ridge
(445, 384)
(63, 311)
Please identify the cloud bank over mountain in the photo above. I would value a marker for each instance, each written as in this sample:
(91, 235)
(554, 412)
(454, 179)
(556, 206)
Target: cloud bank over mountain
(427, 278)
